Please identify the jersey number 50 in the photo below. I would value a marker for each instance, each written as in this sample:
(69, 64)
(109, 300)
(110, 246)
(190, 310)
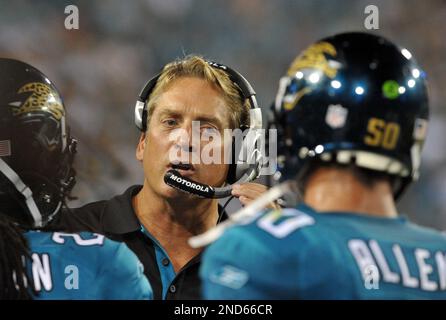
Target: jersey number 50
(382, 134)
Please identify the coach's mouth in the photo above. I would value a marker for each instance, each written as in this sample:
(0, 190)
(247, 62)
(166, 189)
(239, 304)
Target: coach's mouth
(185, 169)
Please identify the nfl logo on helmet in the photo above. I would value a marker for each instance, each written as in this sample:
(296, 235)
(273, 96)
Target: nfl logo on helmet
(336, 116)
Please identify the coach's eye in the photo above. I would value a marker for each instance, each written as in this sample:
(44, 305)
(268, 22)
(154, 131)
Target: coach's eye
(170, 122)
(208, 131)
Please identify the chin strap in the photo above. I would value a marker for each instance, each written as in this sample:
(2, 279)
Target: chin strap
(24, 190)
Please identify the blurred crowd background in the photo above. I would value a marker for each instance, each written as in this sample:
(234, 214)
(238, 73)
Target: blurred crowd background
(101, 67)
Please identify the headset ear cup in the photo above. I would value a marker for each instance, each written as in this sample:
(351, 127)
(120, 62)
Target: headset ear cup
(231, 178)
(139, 114)
(141, 103)
(252, 154)
(239, 165)
(144, 120)
(231, 174)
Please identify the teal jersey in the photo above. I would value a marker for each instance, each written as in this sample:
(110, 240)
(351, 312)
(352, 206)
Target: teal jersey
(302, 254)
(84, 266)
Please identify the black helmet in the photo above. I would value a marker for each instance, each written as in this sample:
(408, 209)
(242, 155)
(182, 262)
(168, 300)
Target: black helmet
(36, 150)
(353, 98)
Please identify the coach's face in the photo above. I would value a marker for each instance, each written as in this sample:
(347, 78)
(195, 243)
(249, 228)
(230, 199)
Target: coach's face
(171, 136)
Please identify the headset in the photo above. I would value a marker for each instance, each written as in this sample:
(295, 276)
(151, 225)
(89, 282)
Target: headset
(249, 156)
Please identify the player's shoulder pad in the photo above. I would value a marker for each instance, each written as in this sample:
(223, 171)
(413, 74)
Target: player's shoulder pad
(264, 238)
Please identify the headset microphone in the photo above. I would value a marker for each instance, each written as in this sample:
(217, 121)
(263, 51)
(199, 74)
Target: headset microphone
(174, 179)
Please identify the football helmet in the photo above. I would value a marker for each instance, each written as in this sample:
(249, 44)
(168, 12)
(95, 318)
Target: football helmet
(36, 150)
(353, 98)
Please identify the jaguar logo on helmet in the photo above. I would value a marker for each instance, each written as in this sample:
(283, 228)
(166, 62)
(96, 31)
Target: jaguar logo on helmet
(314, 58)
(311, 65)
(42, 99)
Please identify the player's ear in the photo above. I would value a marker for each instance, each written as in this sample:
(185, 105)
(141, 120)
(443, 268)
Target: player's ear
(140, 147)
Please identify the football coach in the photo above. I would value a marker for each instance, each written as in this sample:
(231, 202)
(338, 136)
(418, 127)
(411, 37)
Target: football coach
(155, 220)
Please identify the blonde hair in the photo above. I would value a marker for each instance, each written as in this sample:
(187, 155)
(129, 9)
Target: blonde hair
(196, 66)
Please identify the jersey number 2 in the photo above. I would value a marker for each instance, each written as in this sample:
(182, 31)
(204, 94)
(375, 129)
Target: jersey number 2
(291, 220)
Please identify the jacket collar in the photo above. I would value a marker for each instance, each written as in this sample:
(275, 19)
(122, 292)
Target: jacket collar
(121, 217)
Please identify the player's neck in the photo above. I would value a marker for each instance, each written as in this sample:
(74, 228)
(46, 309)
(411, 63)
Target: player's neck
(173, 222)
(334, 190)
